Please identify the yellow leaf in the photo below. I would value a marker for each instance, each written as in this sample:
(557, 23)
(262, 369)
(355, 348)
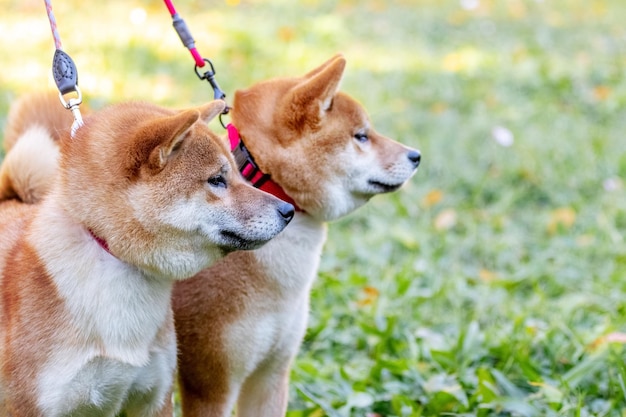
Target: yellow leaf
(433, 197)
(601, 92)
(445, 220)
(614, 337)
(370, 295)
(563, 217)
(487, 275)
(286, 33)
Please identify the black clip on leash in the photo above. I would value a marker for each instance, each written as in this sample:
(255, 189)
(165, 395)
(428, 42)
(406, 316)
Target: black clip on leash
(210, 77)
(185, 36)
(65, 74)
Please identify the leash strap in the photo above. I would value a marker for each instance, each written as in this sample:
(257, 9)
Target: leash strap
(64, 73)
(184, 33)
(185, 36)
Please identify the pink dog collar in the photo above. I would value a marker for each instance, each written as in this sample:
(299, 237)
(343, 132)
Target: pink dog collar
(103, 243)
(251, 172)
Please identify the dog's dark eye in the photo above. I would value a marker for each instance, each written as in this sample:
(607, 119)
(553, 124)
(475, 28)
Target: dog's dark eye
(218, 181)
(361, 137)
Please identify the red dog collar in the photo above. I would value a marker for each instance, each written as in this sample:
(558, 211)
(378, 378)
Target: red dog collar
(251, 172)
(103, 243)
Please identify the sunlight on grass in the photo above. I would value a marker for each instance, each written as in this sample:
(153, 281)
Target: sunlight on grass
(493, 283)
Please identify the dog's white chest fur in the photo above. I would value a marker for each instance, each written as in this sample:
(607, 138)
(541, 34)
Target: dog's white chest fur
(102, 386)
(115, 312)
(272, 327)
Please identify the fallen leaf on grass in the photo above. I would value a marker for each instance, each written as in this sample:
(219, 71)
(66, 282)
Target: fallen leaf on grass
(433, 197)
(486, 275)
(601, 92)
(286, 33)
(614, 337)
(370, 296)
(563, 217)
(445, 220)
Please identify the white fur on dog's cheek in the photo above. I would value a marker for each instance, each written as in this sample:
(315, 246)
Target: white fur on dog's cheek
(343, 190)
(195, 215)
(187, 234)
(346, 191)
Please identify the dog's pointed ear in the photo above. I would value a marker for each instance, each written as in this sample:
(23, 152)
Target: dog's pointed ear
(307, 102)
(319, 69)
(210, 110)
(170, 132)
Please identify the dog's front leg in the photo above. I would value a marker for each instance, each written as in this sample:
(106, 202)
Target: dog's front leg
(168, 408)
(265, 394)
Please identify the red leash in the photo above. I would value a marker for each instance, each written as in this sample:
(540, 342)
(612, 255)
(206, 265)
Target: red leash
(185, 36)
(248, 168)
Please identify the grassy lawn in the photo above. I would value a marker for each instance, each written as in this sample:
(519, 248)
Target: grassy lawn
(494, 284)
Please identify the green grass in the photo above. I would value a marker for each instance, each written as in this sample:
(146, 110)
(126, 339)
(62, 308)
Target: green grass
(494, 284)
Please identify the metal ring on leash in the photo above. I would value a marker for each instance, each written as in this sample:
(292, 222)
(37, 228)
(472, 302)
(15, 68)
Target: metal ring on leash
(185, 36)
(73, 105)
(65, 73)
(209, 75)
(72, 101)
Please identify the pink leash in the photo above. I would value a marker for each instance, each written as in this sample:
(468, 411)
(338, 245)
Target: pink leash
(185, 36)
(246, 164)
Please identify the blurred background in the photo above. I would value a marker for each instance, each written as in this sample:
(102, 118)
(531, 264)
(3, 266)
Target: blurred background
(493, 284)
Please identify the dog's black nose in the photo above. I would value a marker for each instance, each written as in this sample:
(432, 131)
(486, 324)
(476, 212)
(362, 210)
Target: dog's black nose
(415, 157)
(286, 211)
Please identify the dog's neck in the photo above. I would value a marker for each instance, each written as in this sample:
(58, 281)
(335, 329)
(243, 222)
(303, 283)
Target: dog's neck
(251, 172)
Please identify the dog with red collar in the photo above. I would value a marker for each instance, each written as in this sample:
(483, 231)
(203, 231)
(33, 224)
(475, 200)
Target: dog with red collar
(240, 323)
(138, 198)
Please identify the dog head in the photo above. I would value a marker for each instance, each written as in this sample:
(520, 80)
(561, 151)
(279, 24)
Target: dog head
(318, 143)
(161, 189)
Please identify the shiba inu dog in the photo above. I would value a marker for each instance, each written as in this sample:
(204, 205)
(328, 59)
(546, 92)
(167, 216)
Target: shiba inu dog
(240, 323)
(139, 198)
